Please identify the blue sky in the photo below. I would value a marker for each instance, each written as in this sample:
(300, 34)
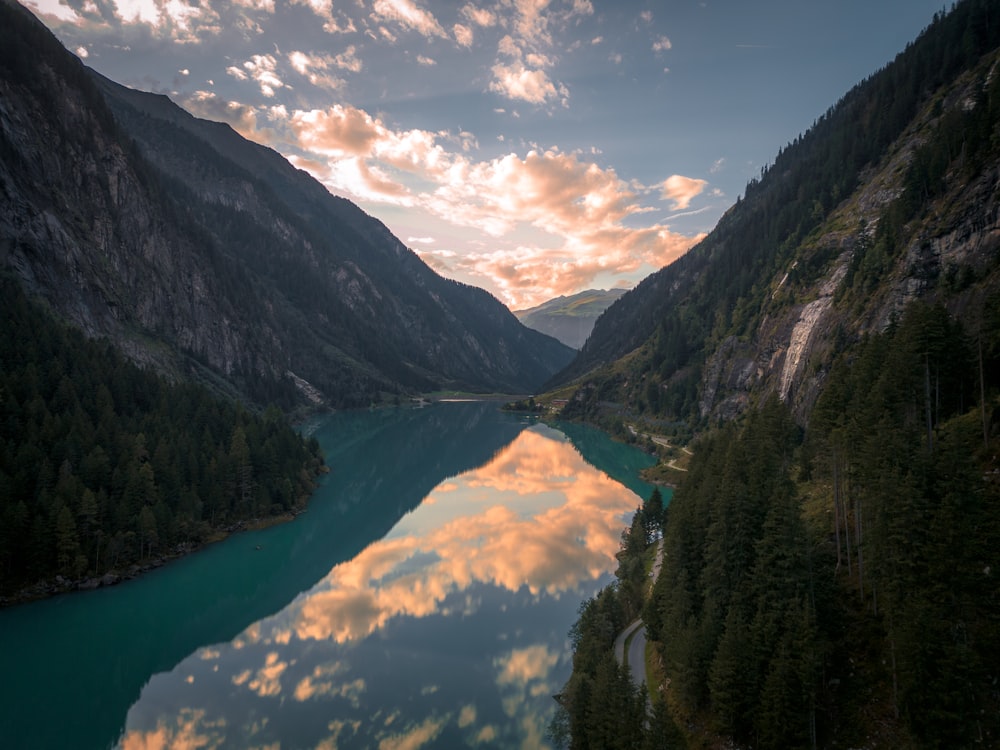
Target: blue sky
(529, 147)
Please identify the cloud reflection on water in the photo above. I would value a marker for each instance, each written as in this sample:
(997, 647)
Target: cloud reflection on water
(533, 524)
(552, 550)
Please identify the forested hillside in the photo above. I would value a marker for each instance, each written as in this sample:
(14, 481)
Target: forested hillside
(104, 465)
(890, 196)
(831, 553)
(841, 589)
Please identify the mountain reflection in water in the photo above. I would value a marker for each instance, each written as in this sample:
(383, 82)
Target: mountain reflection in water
(450, 631)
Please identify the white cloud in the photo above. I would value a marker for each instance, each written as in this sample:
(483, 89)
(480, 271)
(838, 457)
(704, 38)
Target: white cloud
(267, 6)
(661, 44)
(138, 11)
(315, 67)
(515, 81)
(55, 9)
(409, 15)
(263, 70)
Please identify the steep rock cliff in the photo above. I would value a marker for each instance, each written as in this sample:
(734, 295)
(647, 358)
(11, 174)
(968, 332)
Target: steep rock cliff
(892, 196)
(209, 256)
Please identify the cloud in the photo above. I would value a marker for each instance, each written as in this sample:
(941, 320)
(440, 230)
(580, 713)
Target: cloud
(553, 551)
(188, 729)
(463, 34)
(337, 131)
(524, 55)
(242, 117)
(682, 190)
(320, 684)
(426, 61)
(525, 665)
(515, 81)
(266, 6)
(267, 681)
(55, 9)
(661, 44)
(263, 70)
(334, 22)
(479, 16)
(322, 8)
(171, 19)
(138, 11)
(558, 219)
(316, 67)
(467, 716)
(408, 15)
(414, 737)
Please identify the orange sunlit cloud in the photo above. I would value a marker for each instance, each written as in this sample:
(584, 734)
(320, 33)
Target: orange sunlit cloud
(578, 211)
(554, 550)
(187, 731)
(682, 190)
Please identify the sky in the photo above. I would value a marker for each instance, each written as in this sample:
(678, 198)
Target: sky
(534, 148)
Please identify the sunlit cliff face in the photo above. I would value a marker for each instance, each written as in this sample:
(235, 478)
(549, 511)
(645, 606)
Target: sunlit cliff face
(489, 554)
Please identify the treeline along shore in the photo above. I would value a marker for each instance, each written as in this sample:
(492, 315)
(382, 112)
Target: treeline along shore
(107, 469)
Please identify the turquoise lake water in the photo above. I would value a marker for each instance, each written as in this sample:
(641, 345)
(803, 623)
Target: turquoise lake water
(423, 600)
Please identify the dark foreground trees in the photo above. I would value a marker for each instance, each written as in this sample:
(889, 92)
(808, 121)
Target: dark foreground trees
(103, 464)
(838, 586)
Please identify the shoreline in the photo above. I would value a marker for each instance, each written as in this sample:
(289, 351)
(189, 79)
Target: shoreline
(48, 588)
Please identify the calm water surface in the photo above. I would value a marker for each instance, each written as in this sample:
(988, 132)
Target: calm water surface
(422, 601)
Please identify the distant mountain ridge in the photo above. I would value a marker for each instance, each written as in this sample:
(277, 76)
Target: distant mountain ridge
(570, 319)
(212, 258)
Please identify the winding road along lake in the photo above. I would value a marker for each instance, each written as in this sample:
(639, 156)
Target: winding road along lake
(423, 601)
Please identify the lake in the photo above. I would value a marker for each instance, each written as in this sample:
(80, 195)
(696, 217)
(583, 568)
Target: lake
(423, 600)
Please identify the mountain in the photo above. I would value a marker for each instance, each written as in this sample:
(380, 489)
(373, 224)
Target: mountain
(829, 574)
(890, 197)
(569, 319)
(213, 259)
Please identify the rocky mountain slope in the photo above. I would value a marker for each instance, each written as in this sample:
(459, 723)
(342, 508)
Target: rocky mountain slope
(569, 318)
(212, 258)
(890, 197)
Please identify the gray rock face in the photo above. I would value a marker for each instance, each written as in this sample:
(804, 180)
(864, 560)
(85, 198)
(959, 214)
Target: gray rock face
(753, 312)
(207, 256)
